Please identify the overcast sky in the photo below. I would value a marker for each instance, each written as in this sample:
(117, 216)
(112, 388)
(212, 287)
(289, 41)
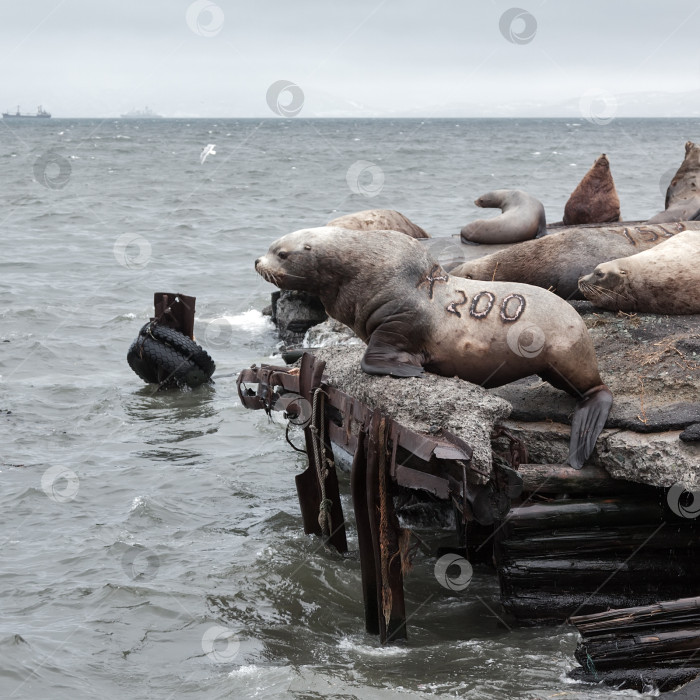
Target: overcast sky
(350, 57)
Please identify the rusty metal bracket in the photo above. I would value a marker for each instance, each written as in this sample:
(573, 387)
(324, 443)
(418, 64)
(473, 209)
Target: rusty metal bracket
(267, 378)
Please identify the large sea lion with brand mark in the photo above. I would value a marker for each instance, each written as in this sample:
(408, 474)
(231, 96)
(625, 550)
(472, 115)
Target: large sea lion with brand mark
(558, 260)
(523, 218)
(663, 280)
(595, 200)
(683, 194)
(414, 316)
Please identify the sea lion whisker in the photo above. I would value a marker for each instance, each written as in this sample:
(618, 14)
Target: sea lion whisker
(593, 290)
(613, 294)
(622, 295)
(607, 293)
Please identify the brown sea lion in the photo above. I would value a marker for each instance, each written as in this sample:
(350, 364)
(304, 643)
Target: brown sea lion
(379, 220)
(523, 218)
(595, 200)
(683, 194)
(557, 261)
(413, 315)
(664, 280)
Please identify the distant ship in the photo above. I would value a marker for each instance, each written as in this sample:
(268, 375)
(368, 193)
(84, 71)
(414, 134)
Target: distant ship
(41, 113)
(144, 113)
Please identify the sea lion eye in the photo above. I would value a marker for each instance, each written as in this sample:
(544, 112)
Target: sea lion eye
(307, 247)
(282, 255)
(599, 274)
(623, 272)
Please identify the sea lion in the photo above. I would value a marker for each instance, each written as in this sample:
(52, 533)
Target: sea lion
(523, 218)
(414, 316)
(595, 200)
(664, 280)
(683, 194)
(379, 220)
(557, 261)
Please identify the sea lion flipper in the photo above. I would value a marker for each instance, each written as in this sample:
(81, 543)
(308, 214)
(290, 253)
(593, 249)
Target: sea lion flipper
(383, 357)
(588, 422)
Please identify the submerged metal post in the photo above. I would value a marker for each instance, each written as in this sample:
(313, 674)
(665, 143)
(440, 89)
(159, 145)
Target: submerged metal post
(175, 311)
(378, 532)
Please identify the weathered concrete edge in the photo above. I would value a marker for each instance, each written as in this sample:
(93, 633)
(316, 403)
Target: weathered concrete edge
(656, 459)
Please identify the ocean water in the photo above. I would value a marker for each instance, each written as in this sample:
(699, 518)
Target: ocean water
(151, 543)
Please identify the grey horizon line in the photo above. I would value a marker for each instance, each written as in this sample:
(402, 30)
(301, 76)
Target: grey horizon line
(358, 117)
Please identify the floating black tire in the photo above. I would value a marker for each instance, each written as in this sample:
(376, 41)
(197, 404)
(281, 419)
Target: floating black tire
(183, 344)
(161, 355)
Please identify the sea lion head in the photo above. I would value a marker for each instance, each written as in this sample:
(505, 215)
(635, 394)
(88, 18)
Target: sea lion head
(502, 198)
(608, 286)
(471, 270)
(299, 260)
(489, 200)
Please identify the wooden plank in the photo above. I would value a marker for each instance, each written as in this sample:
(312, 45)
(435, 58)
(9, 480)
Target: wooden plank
(557, 478)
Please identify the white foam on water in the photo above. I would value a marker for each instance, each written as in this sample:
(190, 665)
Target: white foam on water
(348, 644)
(249, 670)
(137, 503)
(252, 321)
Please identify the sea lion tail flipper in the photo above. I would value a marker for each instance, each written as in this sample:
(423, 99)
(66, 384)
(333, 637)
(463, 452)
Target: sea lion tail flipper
(588, 422)
(381, 357)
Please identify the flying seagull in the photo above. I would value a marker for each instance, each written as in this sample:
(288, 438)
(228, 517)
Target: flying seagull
(207, 151)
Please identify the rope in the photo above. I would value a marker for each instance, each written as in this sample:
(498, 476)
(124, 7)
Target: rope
(322, 462)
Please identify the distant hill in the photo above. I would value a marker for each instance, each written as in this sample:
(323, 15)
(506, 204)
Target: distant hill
(603, 105)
